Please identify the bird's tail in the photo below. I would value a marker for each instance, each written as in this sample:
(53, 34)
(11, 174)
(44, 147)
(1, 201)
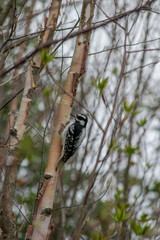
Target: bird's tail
(60, 164)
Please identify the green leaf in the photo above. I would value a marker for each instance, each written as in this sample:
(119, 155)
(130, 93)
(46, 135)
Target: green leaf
(144, 218)
(119, 195)
(148, 165)
(47, 92)
(46, 58)
(133, 113)
(133, 181)
(156, 187)
(97, 236)
(114, 217)
(100, 84)
(131, 150)
(142, 122)
(138, 228)
(129, 108)
(94, 82)
(113, 144)
(120, 214)
(115, 71)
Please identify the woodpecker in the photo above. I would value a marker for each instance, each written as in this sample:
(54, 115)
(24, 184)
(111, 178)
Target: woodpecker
(72, 137)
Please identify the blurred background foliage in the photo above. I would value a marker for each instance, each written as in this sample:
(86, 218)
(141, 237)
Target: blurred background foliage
(124, 201)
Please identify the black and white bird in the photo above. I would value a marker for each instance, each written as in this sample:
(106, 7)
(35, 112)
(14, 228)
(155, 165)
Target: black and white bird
(72, 137)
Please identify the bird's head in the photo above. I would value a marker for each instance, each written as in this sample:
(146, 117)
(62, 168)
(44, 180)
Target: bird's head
(82, 119)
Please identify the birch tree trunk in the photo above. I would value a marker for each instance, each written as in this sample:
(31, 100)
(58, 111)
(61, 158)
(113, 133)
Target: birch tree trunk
(42, 223)
(7, 219)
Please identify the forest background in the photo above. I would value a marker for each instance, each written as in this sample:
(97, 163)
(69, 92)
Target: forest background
(100, 58)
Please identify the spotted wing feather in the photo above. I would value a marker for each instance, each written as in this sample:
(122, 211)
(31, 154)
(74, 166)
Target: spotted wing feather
(74, 135)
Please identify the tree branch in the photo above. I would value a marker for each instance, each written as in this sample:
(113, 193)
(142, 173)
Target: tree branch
(144, 7)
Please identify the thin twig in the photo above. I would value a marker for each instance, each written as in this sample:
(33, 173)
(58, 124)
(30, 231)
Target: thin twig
(143, 66)
(87, 204)
(8, 101)
(42, 160)
(94, 27)
(74, 99)
(27, 220)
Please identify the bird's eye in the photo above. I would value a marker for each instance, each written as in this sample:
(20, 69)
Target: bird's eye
(81, 118)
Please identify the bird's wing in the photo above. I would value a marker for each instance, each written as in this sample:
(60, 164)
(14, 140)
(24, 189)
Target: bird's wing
(81, 138)
(65, 131)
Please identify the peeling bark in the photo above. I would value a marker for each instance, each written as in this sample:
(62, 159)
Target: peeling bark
(42, 224)
(17, 132)
(50, 180)
(7, 219)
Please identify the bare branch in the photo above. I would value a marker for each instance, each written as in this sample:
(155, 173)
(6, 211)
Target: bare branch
(87, 29)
